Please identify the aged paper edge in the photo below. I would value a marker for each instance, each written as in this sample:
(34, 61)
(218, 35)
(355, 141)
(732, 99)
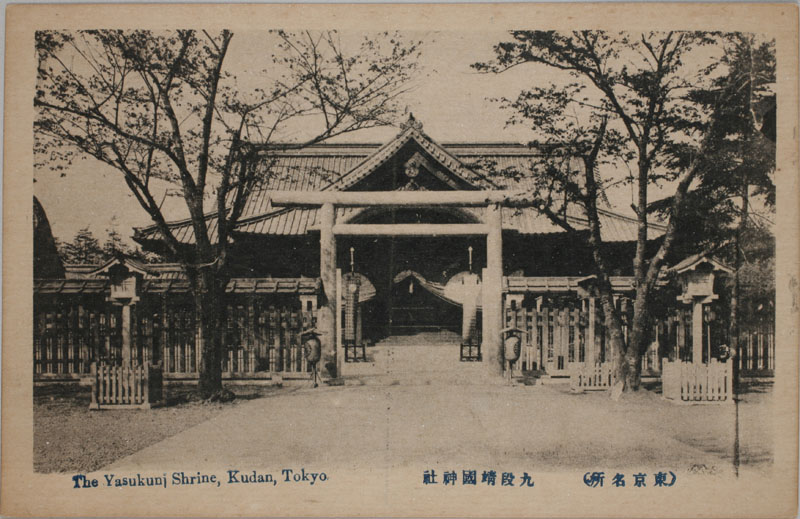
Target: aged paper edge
(23, 492)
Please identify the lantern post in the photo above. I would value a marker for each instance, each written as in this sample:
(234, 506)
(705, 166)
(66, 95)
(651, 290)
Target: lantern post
(696, 276)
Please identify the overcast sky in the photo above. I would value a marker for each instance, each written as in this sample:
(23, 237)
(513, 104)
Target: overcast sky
(448, 97)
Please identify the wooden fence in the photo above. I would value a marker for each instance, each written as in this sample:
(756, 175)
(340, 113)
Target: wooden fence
(69, 336)
(119, 387)
(556, 338)
(591, 377)
(757, 348)
(261, 335)
(697, 383)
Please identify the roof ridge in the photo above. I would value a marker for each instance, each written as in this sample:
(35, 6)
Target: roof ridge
(610, 212)
(382, 154)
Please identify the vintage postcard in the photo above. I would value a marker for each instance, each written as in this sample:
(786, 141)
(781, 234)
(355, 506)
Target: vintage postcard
(480, 260)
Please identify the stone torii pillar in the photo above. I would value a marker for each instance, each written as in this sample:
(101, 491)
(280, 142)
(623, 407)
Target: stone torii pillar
(493, 290)
(326, 320)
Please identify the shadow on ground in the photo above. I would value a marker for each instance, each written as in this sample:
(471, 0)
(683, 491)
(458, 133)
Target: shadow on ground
(68, 437)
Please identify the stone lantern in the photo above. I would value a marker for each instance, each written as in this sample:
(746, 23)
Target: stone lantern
(696, 275)
(126, 277)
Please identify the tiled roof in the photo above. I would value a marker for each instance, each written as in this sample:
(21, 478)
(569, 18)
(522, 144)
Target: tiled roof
(169, 278)
(70, 286)
(243, 286)
(160, 271)
(559, 284)
(342, 167)
(697, 259)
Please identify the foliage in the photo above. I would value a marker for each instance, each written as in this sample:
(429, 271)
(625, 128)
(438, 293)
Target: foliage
(85, 248)
(642, 103)
(162, 105)
(741, 148)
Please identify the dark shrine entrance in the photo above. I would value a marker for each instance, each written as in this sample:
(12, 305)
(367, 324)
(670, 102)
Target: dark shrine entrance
(409, 273)
(413, 308)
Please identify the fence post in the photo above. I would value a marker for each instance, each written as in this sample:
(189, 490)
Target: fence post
(146, 383)
(93, 371)
(165, 349)
(591, 354)
(729, 381)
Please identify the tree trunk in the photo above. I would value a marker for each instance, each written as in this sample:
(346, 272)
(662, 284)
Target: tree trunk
(637, 343)
(638, 335)
(735, 293)
(612, 319)
(614, 327)
(210, 324)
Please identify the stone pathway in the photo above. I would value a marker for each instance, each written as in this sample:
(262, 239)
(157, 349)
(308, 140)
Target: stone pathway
(421, 422)
(417, 360)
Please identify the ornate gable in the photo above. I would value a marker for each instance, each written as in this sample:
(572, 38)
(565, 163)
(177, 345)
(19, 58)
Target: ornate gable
(411, 161)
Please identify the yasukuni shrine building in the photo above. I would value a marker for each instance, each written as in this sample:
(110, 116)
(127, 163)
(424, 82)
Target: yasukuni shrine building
(374, 246)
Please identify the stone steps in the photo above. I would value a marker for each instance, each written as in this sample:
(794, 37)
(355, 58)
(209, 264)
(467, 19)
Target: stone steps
(425, 358)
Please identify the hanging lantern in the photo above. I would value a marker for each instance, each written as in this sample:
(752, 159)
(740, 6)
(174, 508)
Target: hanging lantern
(312, 348)
(512, 347)
(350, 309)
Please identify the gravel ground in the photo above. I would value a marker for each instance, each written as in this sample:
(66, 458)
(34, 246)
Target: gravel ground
(412, 423)
(68, 437)
(422, 425)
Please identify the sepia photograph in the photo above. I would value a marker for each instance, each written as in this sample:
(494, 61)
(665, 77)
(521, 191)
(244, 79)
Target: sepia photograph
(432, 270)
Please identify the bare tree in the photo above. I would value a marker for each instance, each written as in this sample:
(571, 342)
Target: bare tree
(626, 102)
(163, 106)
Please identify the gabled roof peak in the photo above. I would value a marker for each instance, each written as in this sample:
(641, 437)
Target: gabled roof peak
(412, 122)
(696, 260)
(411, 131)
(123, 261)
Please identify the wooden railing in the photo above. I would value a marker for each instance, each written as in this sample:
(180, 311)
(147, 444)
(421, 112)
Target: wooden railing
(555, 338)
(697, 383)
(757, 348)
(591, 377)
(69, 336)
(261, 336)
(119, 387)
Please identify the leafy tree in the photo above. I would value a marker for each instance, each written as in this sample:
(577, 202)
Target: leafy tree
(84, 248)
(114, 244)
(162, 105)
(744, 152)
(627, 101)
(742, 148)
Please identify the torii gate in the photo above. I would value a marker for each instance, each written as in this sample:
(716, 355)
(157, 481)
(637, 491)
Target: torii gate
(492, 228)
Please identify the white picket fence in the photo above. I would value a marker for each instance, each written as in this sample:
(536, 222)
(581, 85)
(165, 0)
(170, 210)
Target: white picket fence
(119, 387)
(591, 377)
(697, 383)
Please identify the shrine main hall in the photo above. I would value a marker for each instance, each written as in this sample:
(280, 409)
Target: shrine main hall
(412, 239)
(371, 248)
